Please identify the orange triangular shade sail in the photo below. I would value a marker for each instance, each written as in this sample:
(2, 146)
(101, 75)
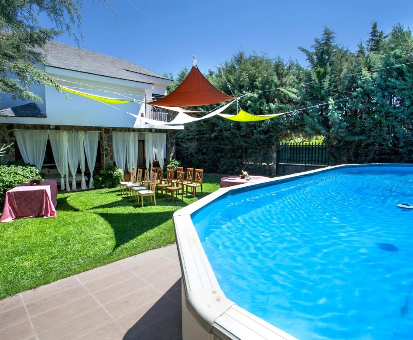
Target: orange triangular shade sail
(195, 90)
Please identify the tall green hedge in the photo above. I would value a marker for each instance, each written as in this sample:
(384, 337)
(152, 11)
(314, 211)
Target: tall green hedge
(360, 102)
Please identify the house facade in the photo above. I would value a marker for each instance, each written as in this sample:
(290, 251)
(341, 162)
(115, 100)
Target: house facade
(121, 127)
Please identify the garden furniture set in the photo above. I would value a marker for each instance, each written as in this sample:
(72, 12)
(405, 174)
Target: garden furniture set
(151, 185)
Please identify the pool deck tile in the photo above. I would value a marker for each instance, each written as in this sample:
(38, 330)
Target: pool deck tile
(135, 298)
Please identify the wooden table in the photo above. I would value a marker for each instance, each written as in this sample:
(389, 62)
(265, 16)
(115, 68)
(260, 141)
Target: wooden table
(236, 180)
(30, 201)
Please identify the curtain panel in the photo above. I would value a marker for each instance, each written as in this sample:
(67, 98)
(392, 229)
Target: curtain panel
(132, 154)
(59, 143)
(120, 142)
(32, 145)
(91, 149)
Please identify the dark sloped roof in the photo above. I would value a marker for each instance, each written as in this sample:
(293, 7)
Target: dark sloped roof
(77, 59)
(27, 110)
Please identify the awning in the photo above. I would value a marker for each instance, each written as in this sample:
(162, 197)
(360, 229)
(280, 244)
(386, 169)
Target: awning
(195, 90)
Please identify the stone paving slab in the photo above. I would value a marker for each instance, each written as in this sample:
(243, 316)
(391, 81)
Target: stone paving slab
(135, 298)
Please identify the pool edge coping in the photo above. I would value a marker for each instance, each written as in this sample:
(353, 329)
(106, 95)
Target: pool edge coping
(203, 296)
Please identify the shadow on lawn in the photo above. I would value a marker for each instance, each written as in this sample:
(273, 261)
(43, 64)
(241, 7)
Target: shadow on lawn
(127, 201)
(64, 205)
(128, 226)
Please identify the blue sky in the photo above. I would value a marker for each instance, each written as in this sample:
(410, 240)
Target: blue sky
(163, 35)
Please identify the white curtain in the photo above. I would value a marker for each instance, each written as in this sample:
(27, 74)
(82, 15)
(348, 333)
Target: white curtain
(91, 150)
(120, 145)
(159, 144)
(133, 141)
(59, 142)
(81, 136)
(149, 148)
(73, 154)
(32, 146)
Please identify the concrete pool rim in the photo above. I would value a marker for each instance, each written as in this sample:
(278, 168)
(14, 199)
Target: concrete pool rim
(202, 297)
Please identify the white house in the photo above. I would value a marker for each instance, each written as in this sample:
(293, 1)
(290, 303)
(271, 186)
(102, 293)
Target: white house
(62, 117)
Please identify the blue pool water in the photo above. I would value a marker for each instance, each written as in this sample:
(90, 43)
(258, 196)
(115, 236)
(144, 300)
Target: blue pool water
(328, 256)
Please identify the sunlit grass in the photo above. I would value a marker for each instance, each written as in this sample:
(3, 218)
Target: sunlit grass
(92, 228)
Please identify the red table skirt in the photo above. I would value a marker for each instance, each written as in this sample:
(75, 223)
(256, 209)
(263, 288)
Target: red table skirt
(236, 180)
(53, 189)
(30, 201)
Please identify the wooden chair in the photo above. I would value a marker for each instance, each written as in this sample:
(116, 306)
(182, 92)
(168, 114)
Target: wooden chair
(133, 188)
(179, 186)
(150, 192)
(160, 174)
(168, 181)
(179, 168)
(145, 181)
(124, 184)
(199, 178)
(189, 175)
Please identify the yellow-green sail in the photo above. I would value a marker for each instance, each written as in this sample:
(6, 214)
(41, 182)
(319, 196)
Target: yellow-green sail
(95, 97)
(244, 116)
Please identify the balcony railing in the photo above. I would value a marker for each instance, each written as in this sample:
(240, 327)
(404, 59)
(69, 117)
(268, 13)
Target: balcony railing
(160, 114)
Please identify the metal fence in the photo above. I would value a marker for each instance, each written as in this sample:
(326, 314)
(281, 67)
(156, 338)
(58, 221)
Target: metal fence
(303, 153)
(163, 115)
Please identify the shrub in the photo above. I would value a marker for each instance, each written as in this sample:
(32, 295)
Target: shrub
(108, 177)
(15, 174)
(175, 163)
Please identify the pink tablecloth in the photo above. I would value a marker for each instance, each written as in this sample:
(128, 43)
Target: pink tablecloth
(236, 180)
(30, 201)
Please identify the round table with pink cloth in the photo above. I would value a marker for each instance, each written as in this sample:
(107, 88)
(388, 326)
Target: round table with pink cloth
(236, 180)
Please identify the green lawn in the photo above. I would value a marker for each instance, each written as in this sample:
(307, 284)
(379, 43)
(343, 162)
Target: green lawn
(92, 228)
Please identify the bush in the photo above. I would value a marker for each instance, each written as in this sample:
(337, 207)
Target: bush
(173, 163)
(15, 174)
(108, 177)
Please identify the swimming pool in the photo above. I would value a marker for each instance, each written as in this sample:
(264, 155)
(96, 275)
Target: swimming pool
(326, 256)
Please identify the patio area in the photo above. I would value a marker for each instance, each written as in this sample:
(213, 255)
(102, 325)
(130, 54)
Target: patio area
(135, 298)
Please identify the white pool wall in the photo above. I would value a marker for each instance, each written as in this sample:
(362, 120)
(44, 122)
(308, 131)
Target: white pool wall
(207, 314)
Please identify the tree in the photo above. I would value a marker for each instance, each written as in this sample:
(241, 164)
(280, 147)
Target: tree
(377, 37)
(178, 80)
(268, 86)
(361, 103)
(22, 37)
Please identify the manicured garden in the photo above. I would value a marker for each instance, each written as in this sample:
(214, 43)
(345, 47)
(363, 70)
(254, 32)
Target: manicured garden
(92, 228)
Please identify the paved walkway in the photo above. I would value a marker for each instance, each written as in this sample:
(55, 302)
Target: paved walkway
(135, 298)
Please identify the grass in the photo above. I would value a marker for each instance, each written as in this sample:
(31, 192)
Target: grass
(92, 228)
